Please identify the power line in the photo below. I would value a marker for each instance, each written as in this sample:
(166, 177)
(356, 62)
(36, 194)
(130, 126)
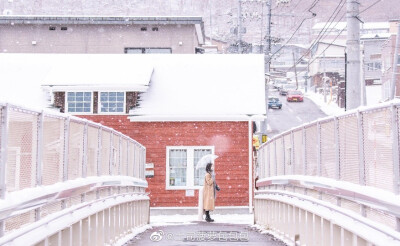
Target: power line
(324, 30)
(370, 6)
(298, 27)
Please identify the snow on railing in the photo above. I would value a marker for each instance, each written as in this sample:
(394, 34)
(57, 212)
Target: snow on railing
(53, 163)
(348, 161)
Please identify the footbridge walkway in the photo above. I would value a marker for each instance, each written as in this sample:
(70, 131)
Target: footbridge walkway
(334, 181)
(69, 181)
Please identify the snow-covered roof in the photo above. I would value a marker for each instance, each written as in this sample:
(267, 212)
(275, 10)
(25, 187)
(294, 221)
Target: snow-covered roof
(97, 70)
(24, 75)
(182, 87)
(203, 88)
(376, 36)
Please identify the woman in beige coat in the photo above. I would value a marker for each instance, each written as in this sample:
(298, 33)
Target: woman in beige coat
(209, 192)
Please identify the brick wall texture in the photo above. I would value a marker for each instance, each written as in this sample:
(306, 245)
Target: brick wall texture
(231, 145)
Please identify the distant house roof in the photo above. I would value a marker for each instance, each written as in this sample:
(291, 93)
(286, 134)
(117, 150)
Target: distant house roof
(203, 88)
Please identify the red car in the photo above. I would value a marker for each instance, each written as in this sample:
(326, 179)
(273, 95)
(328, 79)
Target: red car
(294, 96)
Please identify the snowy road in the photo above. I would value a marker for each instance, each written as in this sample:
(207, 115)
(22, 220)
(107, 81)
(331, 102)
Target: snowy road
(185, 230)
(292, 114)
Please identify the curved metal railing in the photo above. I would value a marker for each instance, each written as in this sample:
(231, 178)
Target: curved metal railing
(349, 163)
(53, 166)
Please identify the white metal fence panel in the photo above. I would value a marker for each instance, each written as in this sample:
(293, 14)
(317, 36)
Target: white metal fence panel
(348, 151)
(378, 148)
(328, 150)
(92, 151)
(21, 149)
(312, 148)
(298, 152)
(272, 159)
(41, 149)
(287, 140)
(105, 151)
(75, 155)
(53, 150)
(280, 156)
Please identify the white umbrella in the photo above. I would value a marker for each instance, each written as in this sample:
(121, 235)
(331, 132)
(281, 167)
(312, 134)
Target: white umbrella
(202, 163)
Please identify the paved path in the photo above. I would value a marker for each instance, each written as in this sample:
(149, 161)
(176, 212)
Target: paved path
(203, 233)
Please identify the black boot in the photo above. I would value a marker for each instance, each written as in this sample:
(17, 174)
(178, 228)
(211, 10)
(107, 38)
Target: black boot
(208, 218)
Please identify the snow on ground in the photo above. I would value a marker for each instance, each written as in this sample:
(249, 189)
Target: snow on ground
(177, 219)
(330, 107)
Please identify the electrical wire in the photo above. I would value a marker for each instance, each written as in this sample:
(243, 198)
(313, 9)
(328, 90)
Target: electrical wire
(370, 6)
(324, 31)
(298, 27)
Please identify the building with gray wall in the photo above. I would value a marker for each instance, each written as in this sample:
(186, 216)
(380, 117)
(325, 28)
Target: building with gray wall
(71, 34)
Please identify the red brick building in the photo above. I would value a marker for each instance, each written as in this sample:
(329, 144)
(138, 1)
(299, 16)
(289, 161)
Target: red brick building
(180, 107)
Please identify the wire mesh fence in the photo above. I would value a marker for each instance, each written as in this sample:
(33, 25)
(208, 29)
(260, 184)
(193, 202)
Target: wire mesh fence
(360, 147)
(41, 149)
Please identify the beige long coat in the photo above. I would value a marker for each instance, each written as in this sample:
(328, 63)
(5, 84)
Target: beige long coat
(208, 193)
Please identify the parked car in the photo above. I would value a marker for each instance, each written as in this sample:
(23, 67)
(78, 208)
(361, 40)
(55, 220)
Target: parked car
(294, 96)
(279, 83)
(286, 88)
(273, 102)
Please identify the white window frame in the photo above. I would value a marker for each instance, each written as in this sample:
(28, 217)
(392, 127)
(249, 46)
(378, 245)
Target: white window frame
(110, 113)
(78, 113)
(189, 168)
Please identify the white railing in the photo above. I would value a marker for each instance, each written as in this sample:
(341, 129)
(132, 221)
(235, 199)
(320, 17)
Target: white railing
(68, 180)
(347, 165)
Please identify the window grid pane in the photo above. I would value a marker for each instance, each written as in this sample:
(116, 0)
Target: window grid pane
(79, 102)
(112, 102)
(177, 167)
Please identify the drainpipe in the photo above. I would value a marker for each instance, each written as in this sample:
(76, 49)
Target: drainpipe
(250, 166)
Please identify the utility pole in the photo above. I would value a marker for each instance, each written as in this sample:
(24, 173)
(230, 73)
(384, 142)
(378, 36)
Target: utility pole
(353, 97)
(395, 62)
(362, 76)
(239, 28)
(295, 71)
(264, 124)
(211, 29)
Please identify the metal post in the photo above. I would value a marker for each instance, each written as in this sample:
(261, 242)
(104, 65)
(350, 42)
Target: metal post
(292, 153)
(362, 77)
(353, 98)
(120, 155)
(239, 28)
(127, 157)
(85, 147)
(99, 150)
(395, 148)
(39, 155)
(110, 161)
(66, 147)
(3, 157)
(361, 149)
(319, 162)
(395, 63)
(39, 149)
(337, 147)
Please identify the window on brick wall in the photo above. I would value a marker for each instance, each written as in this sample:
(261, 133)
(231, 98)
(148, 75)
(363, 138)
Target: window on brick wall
(79, 102)
(181, 166)
(112, 102)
